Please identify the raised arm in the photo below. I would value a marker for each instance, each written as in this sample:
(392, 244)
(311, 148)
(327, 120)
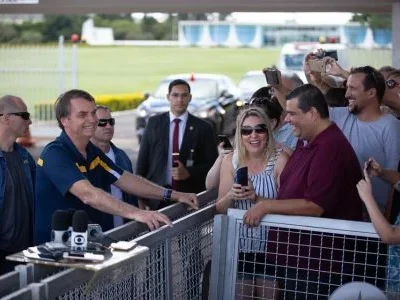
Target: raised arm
(388, 234)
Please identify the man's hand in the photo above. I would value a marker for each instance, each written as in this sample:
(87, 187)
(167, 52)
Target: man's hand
(180, 172)
(372, 167)
(187, 198)
(151, 218)
(254, 214)
(332, 67)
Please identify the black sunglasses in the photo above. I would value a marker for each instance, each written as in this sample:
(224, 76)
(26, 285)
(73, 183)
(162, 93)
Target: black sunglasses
(103, 122)
(23, 114)
(391, 83)
(259, 129)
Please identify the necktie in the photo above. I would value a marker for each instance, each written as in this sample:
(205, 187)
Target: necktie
(175, 147)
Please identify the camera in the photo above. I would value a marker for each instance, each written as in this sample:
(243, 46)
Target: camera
(327, 53)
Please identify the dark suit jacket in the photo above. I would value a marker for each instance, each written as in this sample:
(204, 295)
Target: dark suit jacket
(152, 159)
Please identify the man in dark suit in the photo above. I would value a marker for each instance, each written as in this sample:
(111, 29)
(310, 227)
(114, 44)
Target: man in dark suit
(177, 148)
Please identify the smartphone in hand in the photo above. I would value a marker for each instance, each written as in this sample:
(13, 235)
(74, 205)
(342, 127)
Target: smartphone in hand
(242, 176)
(271, 76)
(224, 139)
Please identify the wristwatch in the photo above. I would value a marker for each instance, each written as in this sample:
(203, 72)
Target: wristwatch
(167, 195)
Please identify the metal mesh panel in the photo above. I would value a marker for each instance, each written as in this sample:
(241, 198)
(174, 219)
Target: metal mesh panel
(139, 280)
(308, 264)
(191, 251)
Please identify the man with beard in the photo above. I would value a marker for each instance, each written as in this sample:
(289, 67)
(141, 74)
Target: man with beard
(370, 132)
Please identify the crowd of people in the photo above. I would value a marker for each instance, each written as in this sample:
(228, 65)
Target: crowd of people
(318, 149)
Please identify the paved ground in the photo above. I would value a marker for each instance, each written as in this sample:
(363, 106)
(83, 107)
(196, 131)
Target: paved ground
(124, 136)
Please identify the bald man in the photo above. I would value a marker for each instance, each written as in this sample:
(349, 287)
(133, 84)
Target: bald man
(17, 175)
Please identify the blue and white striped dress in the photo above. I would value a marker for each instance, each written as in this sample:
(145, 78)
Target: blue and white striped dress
(264, 183)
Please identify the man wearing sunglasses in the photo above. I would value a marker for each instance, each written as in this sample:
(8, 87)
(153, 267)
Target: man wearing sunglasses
(17, 175)
(391, 97)
(102, 139)
(73, 173)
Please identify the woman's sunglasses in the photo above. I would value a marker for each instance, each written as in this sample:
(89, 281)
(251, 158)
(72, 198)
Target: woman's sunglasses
(103, 122)
(259, 129)
(391, 83)
(24, 115)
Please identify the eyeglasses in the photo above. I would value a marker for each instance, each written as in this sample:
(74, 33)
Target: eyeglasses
(103, 122)
(259, 129)
(391, 83)
(23, 114)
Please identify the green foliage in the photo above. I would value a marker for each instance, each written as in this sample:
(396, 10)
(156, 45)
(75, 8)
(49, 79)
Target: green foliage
(31, 36)
(54, 26)
(118, 102)
(7, 33)
(375, 21)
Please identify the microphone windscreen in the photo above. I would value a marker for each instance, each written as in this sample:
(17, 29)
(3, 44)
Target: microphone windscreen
(70, 212)
(60, 221)
(80, 221)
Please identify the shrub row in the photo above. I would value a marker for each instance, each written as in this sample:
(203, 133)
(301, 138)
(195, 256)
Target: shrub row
(117, 102)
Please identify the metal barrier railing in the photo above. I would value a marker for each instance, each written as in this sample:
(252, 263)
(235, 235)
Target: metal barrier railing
(80, 284)
(297, 258)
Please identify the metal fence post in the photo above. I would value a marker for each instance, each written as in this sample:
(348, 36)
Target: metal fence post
(60, 65)
(220, 234)
(168, 270)
(74, 65)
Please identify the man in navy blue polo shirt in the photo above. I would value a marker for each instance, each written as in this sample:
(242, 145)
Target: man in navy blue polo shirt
(73, 173)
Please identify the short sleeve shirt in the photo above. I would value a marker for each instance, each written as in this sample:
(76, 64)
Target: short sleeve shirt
(58, 168)
(325, 172)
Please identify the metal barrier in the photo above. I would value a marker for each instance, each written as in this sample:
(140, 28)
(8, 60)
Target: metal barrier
(303, 258)
(153, 273)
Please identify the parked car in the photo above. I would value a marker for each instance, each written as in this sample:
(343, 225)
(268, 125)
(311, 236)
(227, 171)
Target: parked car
(253, 80)
(214, 99)
(249, 83)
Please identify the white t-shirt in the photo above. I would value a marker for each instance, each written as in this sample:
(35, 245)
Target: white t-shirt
(115, 191)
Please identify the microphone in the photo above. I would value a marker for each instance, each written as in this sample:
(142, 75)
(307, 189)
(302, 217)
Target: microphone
(59, 225)
(79, 231)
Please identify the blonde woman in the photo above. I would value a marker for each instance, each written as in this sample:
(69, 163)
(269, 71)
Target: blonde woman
(255, 148)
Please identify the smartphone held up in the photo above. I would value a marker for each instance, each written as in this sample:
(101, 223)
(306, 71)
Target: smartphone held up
(272, 76)
(224, 139)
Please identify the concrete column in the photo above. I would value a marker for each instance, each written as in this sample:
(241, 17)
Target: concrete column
(396, 34)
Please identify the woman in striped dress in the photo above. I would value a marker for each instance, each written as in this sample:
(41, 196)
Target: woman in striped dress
(255, 148)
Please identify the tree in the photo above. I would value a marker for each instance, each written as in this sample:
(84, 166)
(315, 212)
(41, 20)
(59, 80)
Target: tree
(54, 26)
(374, 21)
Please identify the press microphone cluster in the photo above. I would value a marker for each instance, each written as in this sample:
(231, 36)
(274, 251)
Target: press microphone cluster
(70, 237)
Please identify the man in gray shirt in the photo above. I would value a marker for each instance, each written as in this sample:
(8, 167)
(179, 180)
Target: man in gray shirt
(370, 132)
(17, 175)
